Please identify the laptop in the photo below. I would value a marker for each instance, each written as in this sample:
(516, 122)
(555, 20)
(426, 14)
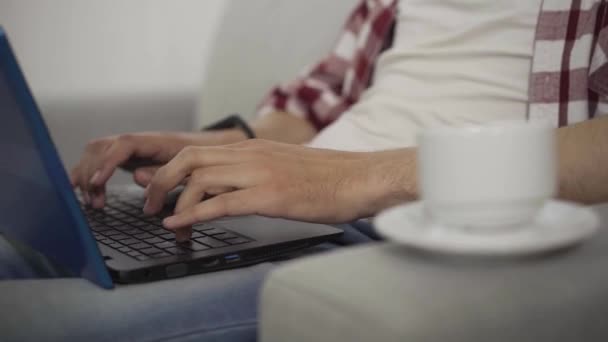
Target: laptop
(40, 210)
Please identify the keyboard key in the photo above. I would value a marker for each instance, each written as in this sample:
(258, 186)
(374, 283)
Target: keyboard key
(209, 241)
(237, 241)
(134, 253)
(214, 231)
(155, 220)
(140, 245)
(154, 240)
(158, 231)
(129, 241)
(110, 232)
(225, 236)
(119, 215)
(148, 227)
(115, 245)
(119, 237)
(132, 211)
(193, 246)
(100, 228)
(130, 220)
(133, 231)
(177, 250)
(139, 223)
(202, 227)
(125, 249)
(197, 235)
(150, 251)
(143, 236)
(168, 236)
(160, 255)
(142, 258)
(166, 244)
(141, 215)
(113, 223)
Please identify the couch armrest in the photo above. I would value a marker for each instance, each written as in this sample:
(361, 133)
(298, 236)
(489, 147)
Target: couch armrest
(387, 293)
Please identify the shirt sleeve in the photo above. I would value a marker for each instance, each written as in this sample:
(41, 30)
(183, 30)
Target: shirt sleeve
(598, 70)
(324, 91)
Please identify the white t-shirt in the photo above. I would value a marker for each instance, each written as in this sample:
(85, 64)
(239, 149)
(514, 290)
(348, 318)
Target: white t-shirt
(452, 62)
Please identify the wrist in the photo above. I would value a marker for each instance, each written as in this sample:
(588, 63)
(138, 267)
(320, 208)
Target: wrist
(392, 179)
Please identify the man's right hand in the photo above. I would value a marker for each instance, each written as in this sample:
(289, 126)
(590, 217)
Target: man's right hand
(135, 152)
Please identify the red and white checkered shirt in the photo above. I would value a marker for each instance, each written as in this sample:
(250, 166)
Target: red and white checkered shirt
(568, 82)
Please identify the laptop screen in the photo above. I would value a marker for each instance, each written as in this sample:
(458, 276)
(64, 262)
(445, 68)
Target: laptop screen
(37, 206)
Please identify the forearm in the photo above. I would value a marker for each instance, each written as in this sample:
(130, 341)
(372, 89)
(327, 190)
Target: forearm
(583, 161)
(582, 168)
(280, 127)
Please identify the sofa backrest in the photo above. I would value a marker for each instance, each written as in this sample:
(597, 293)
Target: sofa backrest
(260, 43)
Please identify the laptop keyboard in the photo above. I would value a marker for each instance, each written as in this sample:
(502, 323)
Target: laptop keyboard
(123, 226)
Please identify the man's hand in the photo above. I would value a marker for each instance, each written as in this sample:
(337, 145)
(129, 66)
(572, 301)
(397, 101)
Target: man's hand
(280, 180)
(134, 152)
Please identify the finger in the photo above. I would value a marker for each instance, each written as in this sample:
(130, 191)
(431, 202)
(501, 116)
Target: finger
(89, 192)
(78, 176)
(115, 155)
(180, 167)
(189, 197)
(214, 191)
(73, 175)
(86, 198)
(183, 234)
(143, 175)
(98, 198)
(237, 203)
(216, 177)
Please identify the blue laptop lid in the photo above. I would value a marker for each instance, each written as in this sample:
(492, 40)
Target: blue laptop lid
(37, 204)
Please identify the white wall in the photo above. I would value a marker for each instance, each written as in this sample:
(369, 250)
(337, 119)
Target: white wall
(104, 47)
(101, 67)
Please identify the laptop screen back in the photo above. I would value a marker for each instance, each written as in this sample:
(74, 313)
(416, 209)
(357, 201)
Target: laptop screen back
(37, 205)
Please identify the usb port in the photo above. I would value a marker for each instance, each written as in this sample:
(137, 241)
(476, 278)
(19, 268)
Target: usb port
(232, 258)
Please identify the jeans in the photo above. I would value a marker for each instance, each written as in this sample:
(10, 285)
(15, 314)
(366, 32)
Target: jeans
(219, 306)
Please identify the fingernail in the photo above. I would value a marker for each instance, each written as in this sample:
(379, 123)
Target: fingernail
(95, 177)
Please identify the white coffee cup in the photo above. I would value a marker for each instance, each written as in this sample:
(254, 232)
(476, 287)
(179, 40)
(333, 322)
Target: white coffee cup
(487, 178)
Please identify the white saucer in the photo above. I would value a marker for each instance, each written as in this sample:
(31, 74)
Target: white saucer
(557, 225)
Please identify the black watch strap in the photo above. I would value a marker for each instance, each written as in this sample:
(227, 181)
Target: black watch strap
(232, 121)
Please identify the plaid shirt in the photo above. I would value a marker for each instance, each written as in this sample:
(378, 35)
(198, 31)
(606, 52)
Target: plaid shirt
(568, 82)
